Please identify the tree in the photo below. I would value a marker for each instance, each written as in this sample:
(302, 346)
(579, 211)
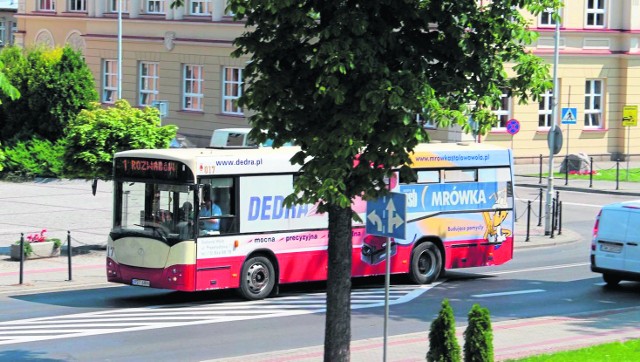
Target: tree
(478, 337)
(443, 344)
(97, 134)
(56, 84)
(345, 79)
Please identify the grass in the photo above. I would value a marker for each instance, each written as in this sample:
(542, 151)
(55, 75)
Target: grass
(603, 175)
(617, 351)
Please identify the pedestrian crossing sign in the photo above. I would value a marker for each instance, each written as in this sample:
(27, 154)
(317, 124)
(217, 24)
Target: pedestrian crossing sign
(569, 115)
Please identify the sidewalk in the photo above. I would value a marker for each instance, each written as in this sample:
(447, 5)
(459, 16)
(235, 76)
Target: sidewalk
(62, 205)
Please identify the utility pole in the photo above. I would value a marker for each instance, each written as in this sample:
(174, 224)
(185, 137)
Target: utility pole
(554, 120)
(119, 93)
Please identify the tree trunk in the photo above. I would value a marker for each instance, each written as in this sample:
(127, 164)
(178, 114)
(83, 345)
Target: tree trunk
(337, 334)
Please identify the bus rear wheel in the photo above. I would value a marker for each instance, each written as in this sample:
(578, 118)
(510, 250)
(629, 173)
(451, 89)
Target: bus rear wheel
(258, 278)
(426, 263)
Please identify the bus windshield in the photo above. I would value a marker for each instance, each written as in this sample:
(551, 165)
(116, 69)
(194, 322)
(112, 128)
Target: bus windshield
(160, 211)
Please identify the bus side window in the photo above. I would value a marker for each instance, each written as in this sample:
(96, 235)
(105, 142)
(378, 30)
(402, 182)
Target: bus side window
(470, 175)
(222, 192)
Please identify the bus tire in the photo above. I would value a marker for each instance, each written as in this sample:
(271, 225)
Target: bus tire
(258, 278)
(611, 280)
(426, 263)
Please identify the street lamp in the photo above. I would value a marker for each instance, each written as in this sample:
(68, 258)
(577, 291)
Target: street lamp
(119, 49)
(554, 119)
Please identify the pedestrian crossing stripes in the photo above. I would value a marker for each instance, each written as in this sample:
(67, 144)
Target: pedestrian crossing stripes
(167, 316)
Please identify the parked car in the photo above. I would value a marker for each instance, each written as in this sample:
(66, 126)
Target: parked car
(615, 247)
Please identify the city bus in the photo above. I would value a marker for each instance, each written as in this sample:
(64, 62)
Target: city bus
(459, 213)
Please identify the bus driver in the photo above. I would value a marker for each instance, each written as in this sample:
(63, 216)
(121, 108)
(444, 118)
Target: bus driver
(207, 210)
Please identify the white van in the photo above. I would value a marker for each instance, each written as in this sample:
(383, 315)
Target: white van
(236, 138)
(615, 247)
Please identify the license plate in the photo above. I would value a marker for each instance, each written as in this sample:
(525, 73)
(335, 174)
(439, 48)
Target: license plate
(611, 248)
(140, 282)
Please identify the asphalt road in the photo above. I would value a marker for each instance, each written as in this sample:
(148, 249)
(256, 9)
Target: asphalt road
(135, 324)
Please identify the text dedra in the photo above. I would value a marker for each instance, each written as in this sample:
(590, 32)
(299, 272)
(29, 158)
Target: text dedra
(271, 208)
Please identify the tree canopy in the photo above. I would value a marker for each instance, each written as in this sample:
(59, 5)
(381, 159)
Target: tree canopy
(345, 79)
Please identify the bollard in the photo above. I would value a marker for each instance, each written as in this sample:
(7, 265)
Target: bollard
(528, 219)
(557, 196)
(560, 218)
(591, 173)
(540, 173)
(553, 214)
(566, 172)
(617, 174)
(540, 209)
(21, 256)
(69, 252)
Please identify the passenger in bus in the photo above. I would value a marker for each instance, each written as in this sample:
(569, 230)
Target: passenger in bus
(209, 209)
(185, 224)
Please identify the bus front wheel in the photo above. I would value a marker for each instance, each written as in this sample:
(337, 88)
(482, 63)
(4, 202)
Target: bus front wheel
(426, 263)
(257, 279)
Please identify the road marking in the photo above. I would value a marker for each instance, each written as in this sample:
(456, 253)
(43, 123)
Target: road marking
(550, 267)
(508, 293)
(167, 316)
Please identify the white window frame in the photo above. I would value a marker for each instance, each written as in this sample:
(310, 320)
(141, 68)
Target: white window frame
(503, 114)
(154, 6)
(148, 83)
(545, 19)
(199, 7)
(192, 87)
(77, 6)
(597, 9)
(109, 81)
(46, 5)
(232, 87)
(593, 104)
(113, 6)
(545, 109)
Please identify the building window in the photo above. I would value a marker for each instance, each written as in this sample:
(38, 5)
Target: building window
(231, 90)
(595, 13)
(3, 33)
(155, 7)
(14, 30)
(77, 5)
(545, 109)
(199, 7)
(110, 81)
(192, 95)
(504, 111)
(46, 5)
(593, 103)
(148, 83)
(113, 6)
(546, 18)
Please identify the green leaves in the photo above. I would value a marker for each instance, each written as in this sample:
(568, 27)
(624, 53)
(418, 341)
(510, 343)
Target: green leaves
(97, 134)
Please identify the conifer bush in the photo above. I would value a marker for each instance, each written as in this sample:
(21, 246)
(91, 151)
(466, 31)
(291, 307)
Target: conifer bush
(443, 345)
(478, 337)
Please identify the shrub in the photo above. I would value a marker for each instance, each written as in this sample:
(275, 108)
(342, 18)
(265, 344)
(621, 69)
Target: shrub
(97, 134)
(35, 157)
(443, 345)
(478, 337)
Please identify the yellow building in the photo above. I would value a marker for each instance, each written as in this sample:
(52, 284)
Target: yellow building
(180, 59)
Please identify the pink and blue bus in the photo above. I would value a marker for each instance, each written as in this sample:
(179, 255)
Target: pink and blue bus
(460, 214)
